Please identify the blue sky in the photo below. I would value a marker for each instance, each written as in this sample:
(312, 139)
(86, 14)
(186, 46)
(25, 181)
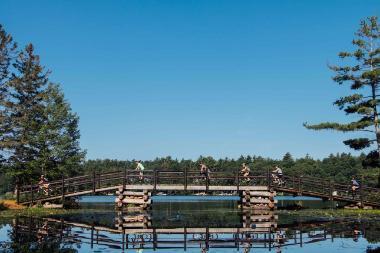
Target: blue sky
(190, 78)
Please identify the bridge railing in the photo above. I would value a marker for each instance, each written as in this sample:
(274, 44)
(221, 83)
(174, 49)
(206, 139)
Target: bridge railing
(328, 189)
(293, 184)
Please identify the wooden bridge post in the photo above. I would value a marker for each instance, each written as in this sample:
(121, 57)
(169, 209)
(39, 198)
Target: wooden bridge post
(125, 177)
(31, 192)
(185, 178)
(270, 238)
(154, 239)
(361, 192)
(237, 179)
(92, 236)
(268, 179)
(300, 185)
(301, 244)
(207, 238)
(155, 179)
(63, 188)
(331, 194)
(122, 241)
(93, 182)
(18, 192)
(185, 239)
(207, 181)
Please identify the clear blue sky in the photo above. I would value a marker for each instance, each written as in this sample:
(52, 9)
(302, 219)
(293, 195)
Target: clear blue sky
(190, 78)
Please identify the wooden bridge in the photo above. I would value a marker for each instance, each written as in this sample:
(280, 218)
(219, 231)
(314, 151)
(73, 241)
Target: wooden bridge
(186, 181)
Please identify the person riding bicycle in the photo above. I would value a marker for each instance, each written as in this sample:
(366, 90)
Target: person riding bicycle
(245, 170)
(204, 170)
(277, 175)
(43, 185)
(354, 186)
(140, 168)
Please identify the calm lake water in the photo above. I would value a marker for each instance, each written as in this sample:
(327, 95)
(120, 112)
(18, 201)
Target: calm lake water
(187, 224)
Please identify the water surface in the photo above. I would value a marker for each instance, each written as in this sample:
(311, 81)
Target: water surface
(186, 224)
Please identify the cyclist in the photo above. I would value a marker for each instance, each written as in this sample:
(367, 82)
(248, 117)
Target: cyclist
(43, 185)
(354, 186)
(277, 175)
(245, 170)
(140, 168)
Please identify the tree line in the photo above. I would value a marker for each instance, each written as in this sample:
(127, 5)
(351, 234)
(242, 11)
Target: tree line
(337, 167)
(38, 130)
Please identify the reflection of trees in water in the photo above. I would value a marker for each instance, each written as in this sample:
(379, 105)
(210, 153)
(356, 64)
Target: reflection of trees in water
(34, 235)
(40, 235)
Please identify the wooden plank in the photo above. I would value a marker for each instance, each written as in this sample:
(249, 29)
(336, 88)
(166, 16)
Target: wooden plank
(136, 201)
(260, 225)
(133, 224)
(167, 187)
(259, 201)
(260, 217)
(260, 193)
(134, 193)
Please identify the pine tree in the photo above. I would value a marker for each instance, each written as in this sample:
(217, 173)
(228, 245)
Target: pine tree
(287, 160)
(7, 54)
(24, 113)
(363, 75)
(58, 139)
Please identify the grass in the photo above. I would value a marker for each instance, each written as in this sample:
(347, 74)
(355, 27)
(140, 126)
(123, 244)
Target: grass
(338, 213)
(36, 212)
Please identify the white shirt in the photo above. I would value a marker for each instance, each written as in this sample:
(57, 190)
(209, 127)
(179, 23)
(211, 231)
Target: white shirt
(140, 167)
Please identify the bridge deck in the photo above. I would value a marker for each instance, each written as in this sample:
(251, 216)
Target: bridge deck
(159, 187)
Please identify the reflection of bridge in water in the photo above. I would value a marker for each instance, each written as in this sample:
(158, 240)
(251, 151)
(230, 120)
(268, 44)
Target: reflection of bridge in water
(270, 236)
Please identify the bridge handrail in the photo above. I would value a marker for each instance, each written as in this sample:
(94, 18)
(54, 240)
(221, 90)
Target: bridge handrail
(92, 181)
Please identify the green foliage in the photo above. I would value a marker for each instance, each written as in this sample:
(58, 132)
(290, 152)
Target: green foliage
(339, 167)
(58, 138)
(38, 131)
(363, 76)
(23, 112)
(7, 53)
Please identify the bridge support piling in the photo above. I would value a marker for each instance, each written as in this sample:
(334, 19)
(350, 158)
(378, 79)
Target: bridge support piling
(125, 220)
(259, 219)
(258, 200)
(139, 199)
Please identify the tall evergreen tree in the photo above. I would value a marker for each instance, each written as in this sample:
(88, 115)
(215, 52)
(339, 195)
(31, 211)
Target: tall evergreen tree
(25, 105)
(58, 139)
(7, 54)
(362, 73)
(24, 108)
(287, 160)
